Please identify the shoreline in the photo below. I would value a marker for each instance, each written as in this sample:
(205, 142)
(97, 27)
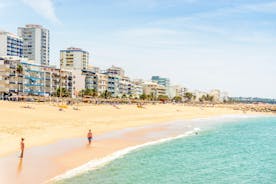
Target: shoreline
(67, 150)
(43, 123)
(98, 163)
(76, 153)
(191, 130)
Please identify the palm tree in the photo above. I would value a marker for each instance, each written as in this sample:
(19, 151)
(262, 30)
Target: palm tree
(106, 94)
(62, 93)
(152, 96)
(19, 71)
(90, 92)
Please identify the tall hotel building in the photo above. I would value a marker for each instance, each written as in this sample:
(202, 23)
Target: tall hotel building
(10, 44)
(74, 59)
(35, 43)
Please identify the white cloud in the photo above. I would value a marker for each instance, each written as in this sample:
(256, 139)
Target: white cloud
(43, 7)
(151, 4)
(269, 7)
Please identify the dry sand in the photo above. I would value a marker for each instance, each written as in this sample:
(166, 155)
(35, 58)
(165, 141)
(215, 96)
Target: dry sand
(43, 123)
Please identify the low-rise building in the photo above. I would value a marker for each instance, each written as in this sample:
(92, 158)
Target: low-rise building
(177, 90)
(152, 88)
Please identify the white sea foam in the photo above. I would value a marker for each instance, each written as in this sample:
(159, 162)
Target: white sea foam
(94, 164)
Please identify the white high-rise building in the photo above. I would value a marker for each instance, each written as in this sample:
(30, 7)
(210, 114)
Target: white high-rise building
(74, 59)
(35, 43)
(10, 44)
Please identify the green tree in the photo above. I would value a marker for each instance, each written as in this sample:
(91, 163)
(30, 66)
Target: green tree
(152, 96)
(189, 96)
(19, 71)
(177, 98)
(206, 98)
(163, 97)
(106, 94)
(88, 92)
(81, 93)
(143, 96)
(202, 98)
(209, 98)
(64, 92)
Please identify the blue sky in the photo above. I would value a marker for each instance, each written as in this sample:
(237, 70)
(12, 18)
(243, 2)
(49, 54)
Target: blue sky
(224, 44)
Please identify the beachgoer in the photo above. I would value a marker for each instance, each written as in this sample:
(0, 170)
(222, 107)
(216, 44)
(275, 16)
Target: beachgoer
(22, 146)
(89, 136)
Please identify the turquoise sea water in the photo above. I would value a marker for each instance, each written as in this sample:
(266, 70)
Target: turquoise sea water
(236, 153)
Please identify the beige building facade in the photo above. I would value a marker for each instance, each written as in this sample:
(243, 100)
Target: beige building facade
(74, 59)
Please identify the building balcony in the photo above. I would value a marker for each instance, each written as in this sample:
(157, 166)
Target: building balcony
(34, 85)
(12, 82)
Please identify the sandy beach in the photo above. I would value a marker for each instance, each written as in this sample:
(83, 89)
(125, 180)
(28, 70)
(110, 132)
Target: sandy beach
(44, 125)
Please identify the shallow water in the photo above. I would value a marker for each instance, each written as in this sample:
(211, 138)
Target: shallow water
(243, 151)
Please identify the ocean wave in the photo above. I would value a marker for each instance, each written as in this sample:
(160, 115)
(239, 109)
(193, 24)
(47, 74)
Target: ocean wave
(95, 164)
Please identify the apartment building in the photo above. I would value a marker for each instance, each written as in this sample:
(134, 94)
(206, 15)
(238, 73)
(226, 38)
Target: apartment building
(97, 81)
(74, 59)
(152, 88)
(117, 71)
(36, 43)
(162, 81)
(10, 44)
(136, 90)
(33, 79)
(177, 90)
(102, 83)
(11, 81)
(125, 86)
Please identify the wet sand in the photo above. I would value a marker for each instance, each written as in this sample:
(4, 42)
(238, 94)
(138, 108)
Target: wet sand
(52, 138)
(42, 163)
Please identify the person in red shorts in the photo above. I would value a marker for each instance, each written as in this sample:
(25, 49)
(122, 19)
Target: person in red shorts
(89, 136)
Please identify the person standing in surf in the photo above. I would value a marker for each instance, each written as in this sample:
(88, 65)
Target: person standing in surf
(89, 136)
(22, 147)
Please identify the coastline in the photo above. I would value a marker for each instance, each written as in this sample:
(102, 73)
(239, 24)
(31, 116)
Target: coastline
(107, 142)
(43, 123)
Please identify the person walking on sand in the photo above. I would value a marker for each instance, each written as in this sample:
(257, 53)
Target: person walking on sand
(89, 136)
(22, 146)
